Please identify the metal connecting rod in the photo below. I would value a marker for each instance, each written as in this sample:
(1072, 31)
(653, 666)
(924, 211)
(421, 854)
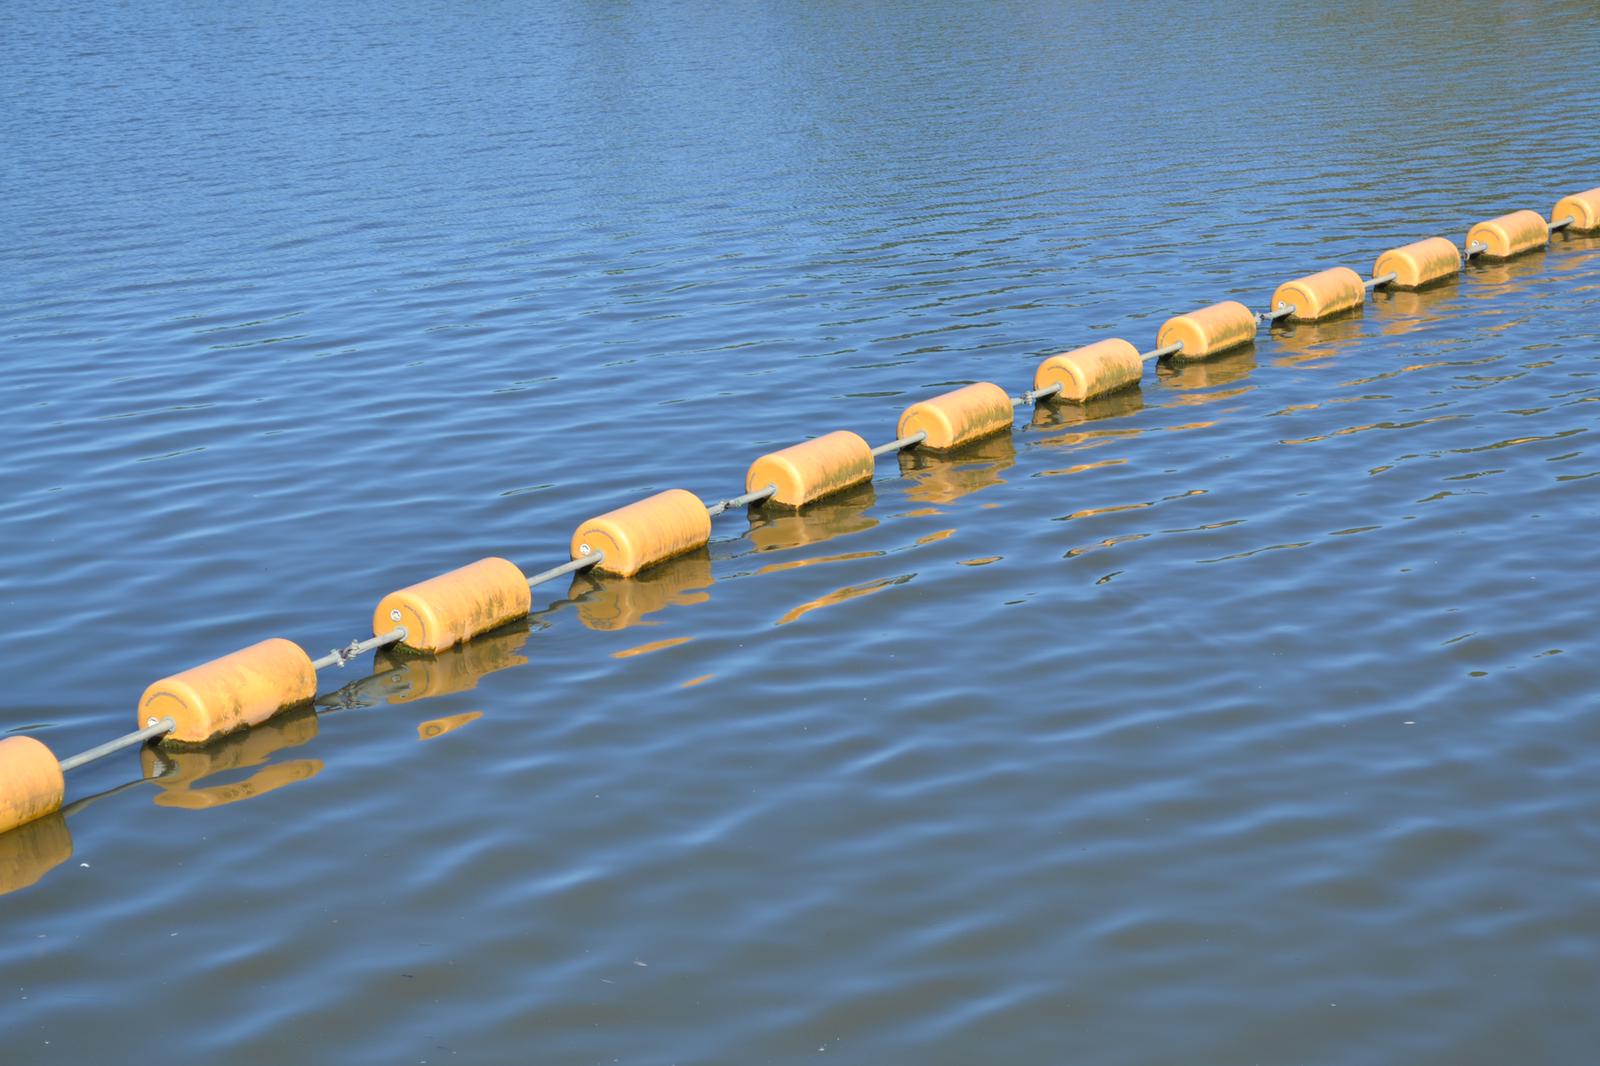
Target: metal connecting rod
(1162, 353)
(899, 443)
(1475, 248)
(1563, 224)
(341, 656)
(149, 732)
(1381, 279)
(1283, 311)
(566, 568)
(1035, 395)
(714, 509)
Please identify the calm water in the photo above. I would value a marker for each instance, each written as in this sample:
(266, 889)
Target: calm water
(1246, 718)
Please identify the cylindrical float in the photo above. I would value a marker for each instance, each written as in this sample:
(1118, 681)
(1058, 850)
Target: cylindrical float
(240, 689)
(31, 785)
(1584, 210)
(644, 533)
(1210, 330)
(1321, 295)
(813, 469)
(1419, 264)
(1094, 370)
(955, 418)
(444, 611)
(1510, 235)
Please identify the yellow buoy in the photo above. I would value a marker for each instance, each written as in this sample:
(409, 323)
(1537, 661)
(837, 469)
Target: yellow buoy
(1510, 235)
(955, 418)
(1210, 330)
(1419, 264)
(645, 532)
(241, 689)
(1094, 370)
(31, 785)
(444, 611)
(1583, 208)
(811, 470)
(1321, 295)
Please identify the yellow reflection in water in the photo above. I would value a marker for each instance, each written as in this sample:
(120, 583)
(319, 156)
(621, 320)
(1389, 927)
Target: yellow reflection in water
(799, 564)
(1054, 415)
(239, 752)
(1402, 312)
(1207, 373)
(850, 592)
(409, 676)
(982, 560)
(835, 516)
(646, 649)
(30, 851)
(1307, 342)
(1493, 280)
(612, 604)
(438, 727)
(944, 479)
(693, 681)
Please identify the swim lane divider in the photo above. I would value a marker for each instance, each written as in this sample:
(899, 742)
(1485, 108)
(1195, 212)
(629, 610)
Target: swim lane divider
(246, 687)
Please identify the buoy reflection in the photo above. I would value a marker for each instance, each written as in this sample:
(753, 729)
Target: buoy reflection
(30, 851)
(408, 676)
(946, 478)
(438, 727)
(833, 516)
(1208, 373)
(1307, 342)
(179, 784)
(610, 604)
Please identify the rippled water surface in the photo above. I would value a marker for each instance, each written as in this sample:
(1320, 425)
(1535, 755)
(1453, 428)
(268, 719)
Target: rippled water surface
(1245, 717)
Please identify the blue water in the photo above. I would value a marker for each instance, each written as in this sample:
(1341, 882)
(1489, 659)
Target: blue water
(1247, 717)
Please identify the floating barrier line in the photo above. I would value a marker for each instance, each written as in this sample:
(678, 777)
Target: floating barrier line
(249, 686)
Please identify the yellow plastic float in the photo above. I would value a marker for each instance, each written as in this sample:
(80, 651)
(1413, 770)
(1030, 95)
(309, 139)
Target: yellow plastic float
(813, 469)
(1583, 208)
(241, 689)
(1321, 295)
(644, 533)
(1420, 264)
(1209, 331)
(960, 417)
(444, 611)
(1097, 369)
(1510, 235)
